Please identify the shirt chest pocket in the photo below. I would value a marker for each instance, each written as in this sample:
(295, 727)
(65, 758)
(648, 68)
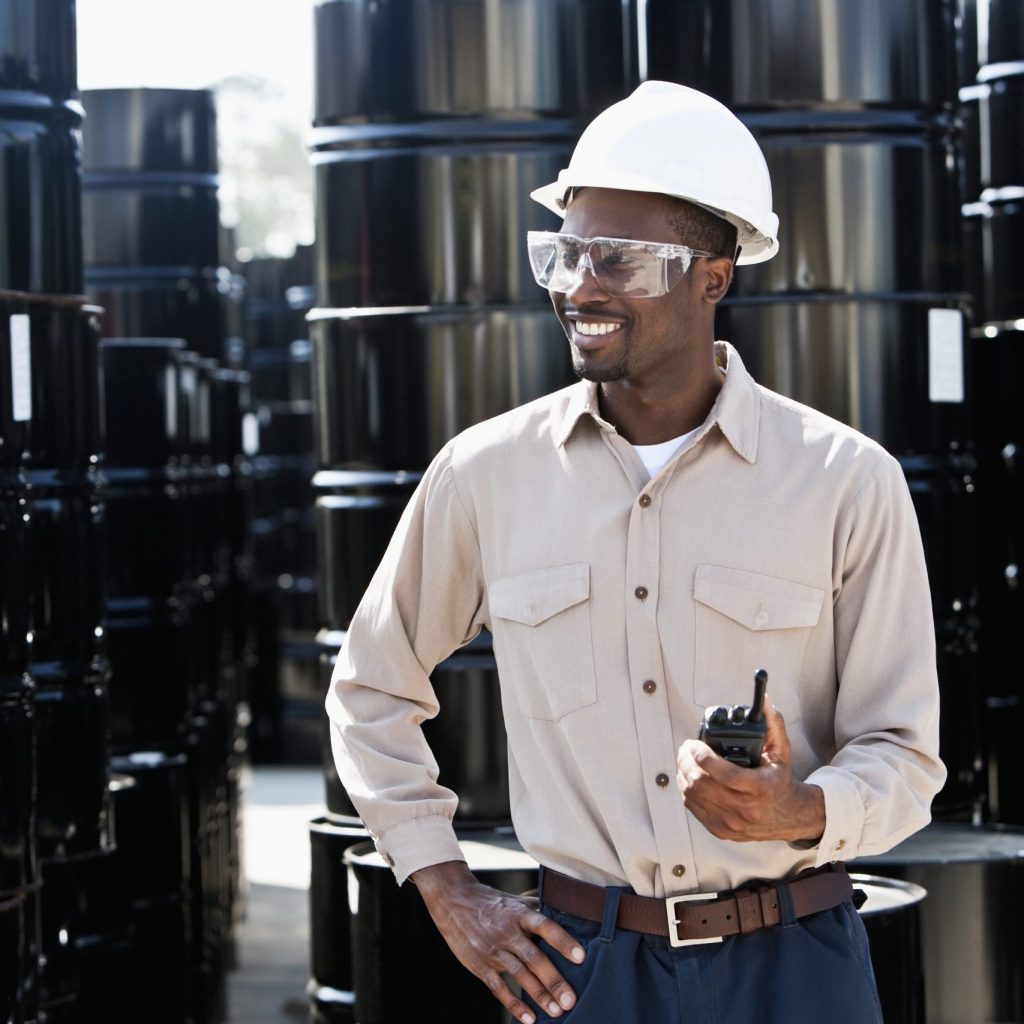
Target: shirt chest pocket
(746, 621)
(542, 639)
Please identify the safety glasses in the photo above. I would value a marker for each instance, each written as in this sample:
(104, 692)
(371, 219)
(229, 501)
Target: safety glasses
(621, 266)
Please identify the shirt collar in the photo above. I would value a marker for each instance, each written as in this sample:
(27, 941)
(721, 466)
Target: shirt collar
(737, 409)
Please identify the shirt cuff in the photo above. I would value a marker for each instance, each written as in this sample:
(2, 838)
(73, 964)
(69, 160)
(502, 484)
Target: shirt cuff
(844, 815)
(419, 843)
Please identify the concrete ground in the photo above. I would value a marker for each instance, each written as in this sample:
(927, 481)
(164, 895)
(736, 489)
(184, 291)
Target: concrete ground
(268, 985)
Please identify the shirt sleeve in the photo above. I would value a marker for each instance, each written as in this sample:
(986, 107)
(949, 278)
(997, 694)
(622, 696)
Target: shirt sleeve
(423, 602)
(880, 783)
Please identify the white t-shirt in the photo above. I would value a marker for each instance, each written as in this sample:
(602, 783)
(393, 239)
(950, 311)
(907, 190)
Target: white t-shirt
(654, 456)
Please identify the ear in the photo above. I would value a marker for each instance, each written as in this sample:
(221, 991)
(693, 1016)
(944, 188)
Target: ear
(717, 278)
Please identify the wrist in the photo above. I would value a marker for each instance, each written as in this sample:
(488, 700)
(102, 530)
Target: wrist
(440, 879)
(810, 826)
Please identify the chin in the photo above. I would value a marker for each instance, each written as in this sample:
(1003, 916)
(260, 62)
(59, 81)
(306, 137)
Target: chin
(597, 374)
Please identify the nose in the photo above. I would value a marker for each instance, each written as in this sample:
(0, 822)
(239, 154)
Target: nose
(585, 287)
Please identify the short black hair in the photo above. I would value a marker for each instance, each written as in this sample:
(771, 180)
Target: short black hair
(700, 229)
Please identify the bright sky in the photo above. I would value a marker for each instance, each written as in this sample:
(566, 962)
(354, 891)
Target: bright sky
(194, 43)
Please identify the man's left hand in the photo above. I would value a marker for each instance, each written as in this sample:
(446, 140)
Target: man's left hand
(746, 804)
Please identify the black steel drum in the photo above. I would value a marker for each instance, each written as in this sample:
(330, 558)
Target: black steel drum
(160, 302)
(286, 428)
(15, 610)
(397, 951)
(66, 592)
(330, 1005)
(427, 221)
(40, 199)
(862, 210)
(152, 682)
(429, 59)
(16, 970)
(72, 745)
(150, 130)
(467, 737)
(51, 416)
(17, 795)
(992, 232)
(809, 53)
(144, 414)
(338, 804)
(943, 492)
(150, 219)
(893, 367)
(1001, 117)
(152, 825)
(891, 916)
(356, 514)
(329, 916)
(38, 51)
(1000, 31)
(393, 387)
(86, 939)
(973, 959)
(146, 512)
(282, 375)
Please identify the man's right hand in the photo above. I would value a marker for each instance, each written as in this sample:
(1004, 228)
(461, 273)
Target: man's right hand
(491, 934)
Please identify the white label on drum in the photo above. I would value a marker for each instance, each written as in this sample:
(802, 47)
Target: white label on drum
(945, 355)
(21, 367)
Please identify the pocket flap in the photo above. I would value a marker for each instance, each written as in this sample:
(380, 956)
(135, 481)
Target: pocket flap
(757, 601)
(531, 597)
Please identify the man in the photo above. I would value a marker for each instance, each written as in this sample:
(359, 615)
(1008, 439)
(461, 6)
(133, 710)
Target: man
(639, 545)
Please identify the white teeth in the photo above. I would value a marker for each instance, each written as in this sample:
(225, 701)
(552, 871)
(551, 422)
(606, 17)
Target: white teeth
(591, 329)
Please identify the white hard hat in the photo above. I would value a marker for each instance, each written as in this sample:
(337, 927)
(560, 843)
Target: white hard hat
(671, 139)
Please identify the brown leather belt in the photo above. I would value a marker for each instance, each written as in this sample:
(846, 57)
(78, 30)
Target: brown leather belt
(702, 917)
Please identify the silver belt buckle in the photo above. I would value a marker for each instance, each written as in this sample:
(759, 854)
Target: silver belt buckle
(673, 924)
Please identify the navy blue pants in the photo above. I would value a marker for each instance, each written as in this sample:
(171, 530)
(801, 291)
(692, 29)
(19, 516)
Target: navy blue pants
(815, 970)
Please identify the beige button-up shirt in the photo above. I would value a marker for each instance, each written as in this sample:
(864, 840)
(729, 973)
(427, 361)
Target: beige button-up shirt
(620, 607)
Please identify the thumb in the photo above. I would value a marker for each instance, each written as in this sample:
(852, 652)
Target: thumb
(776, 745)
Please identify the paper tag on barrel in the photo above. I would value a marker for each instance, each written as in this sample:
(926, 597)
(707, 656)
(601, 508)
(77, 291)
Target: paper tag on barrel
(945, 355)
(21, 367)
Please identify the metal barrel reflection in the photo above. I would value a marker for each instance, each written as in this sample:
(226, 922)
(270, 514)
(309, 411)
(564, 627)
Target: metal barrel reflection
(891, 916)
(974, 876)
(802, 53)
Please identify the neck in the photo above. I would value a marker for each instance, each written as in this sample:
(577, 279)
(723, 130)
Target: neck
(668, 408)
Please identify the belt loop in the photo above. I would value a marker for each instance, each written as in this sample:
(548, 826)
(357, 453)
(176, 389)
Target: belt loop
(612, 895)
(540, 887)
(786, 909)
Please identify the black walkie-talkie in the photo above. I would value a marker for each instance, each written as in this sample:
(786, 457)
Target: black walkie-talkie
(738, 733)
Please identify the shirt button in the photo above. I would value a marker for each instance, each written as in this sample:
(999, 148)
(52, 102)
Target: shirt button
(641, 592)
(645, 500)
(679, 870)
(650, 686)
(840, 844)
(761, 619)
(662, 780)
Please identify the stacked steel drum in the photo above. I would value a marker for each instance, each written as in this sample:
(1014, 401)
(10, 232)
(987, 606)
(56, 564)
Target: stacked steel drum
(177, 551)
(433, 122)
(286, 705)
(54, 749)
(861, 314)
(994, 209)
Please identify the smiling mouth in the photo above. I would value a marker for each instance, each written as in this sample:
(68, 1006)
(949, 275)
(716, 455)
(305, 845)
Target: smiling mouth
(594, 329)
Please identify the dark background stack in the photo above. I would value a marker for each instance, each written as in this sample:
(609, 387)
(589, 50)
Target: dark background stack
(55, 797)
(285, 694)
(191, 507)
(432, 123)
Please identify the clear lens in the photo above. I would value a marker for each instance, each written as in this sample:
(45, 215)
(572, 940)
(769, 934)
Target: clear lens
(621, 266)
